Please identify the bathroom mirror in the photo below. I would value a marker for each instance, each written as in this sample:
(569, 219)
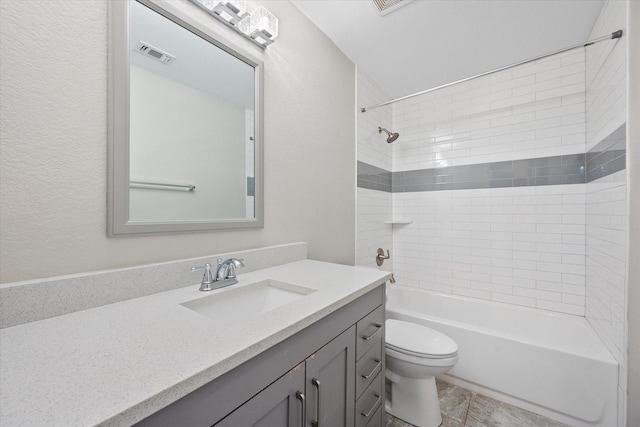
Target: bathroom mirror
(185, 123)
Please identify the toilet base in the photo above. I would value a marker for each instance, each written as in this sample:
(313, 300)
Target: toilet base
(413, 400)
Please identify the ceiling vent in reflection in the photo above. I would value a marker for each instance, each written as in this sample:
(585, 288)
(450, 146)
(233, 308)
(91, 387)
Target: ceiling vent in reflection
(384, 7)
(153, 52)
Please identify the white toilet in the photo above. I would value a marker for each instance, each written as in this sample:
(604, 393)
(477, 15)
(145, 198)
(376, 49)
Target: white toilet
(415, 355)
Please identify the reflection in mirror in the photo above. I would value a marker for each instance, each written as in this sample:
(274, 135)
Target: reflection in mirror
(191, 138)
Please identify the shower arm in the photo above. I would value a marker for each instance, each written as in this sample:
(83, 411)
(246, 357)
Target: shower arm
(391, 136)
(612, 36)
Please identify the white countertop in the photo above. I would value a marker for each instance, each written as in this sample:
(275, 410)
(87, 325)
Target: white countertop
(119, 363)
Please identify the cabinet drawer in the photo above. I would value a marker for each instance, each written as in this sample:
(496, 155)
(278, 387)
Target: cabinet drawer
(377, 419)
(370, 401)
(368, 367)
(369, 331)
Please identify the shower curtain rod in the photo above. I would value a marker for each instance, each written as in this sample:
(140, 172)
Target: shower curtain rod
(614, 35)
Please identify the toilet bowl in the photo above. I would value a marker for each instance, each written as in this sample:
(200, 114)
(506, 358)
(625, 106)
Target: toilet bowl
(415, 355)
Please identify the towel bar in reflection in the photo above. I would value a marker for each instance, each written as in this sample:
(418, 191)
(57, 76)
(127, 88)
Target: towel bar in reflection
(161, 186)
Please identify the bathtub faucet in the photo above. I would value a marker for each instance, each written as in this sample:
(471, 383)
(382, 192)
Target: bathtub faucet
(380, 256)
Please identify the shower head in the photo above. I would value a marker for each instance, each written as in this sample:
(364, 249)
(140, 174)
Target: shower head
(392, 136)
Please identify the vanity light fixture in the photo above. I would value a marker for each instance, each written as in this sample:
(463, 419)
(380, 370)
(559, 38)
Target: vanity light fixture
(232, 11)
(259, 26)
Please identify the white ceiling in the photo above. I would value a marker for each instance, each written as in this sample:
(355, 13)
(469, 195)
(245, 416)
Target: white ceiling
(198, 63)
(428, 43)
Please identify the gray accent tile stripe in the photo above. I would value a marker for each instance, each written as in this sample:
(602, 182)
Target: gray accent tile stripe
(373, 178)
(605, 158)
(251, 186)
(608, 156)
(517, 173)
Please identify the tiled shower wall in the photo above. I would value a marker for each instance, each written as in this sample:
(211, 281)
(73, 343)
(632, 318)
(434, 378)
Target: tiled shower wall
(492, 175)
(606, 191)
(374, 202)
(521, 245)
(514, 185)
(493, 179)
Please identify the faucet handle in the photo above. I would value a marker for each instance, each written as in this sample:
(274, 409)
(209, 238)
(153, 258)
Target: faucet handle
(233, 263)
(207, 278)
(237, 262)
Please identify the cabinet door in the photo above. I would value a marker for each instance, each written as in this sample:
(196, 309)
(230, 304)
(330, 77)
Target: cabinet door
(331, 383)
(281, 404)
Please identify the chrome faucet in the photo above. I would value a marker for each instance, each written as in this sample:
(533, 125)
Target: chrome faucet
(224, 275)
(227, 270)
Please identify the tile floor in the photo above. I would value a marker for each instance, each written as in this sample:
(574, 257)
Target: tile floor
(463, 408)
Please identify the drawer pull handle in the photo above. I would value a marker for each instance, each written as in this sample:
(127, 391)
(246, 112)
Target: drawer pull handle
(375, 368)
(368, 337)
(373, 408)
(300, 395)
(316, 382)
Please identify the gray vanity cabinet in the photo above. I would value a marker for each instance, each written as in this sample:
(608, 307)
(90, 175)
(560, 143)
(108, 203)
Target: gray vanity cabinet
(331, 382)
(330, 374)
(280, 404)
(328, 400)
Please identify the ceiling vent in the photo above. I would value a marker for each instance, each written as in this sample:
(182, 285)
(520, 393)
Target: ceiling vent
(155, 53)
(384, 7)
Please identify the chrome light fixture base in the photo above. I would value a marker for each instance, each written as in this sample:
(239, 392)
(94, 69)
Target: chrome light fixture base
(259, 26)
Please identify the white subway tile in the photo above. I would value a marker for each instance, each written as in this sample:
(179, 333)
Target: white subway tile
(573, 58)
(573, 299)
(474, 293)
(572, 79)
(516, 282)
(566, 209)
(491, 79)
(560, 111)
(517, 228)
(537, 256)
(573, 69)
(536, 67)
(514, 101)
(491, 287)
(560, 92)
(537, 106)
(565, 288)
(561, 130)
(513, 119)
(454, 282)
(538, 294)
(561, 268)
(552, 122)
(513, 83)
(578, 310)
(554, 74)
(514, 299)
(575, 98)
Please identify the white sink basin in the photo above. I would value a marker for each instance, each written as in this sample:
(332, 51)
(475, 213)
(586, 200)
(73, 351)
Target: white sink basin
(236, 304)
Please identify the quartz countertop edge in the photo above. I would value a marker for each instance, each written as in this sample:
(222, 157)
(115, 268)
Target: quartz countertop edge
(117, 364)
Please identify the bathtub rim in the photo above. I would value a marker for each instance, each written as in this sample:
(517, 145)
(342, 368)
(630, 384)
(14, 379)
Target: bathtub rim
(601, 354)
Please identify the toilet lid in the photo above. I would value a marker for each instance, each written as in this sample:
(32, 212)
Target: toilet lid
(418, 340)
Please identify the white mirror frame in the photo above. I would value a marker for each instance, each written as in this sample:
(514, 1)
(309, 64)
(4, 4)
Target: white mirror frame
(118, 221)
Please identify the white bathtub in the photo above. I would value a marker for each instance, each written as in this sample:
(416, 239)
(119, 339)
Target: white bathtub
(550, 363)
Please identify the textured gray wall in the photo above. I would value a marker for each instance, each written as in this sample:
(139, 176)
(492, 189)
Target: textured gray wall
(633, 180)
(53, 151)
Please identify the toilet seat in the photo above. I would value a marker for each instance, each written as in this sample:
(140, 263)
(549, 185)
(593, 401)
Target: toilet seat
(418, 340)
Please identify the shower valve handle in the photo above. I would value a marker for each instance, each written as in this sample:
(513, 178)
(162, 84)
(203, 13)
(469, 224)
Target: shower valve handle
(380, 256)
